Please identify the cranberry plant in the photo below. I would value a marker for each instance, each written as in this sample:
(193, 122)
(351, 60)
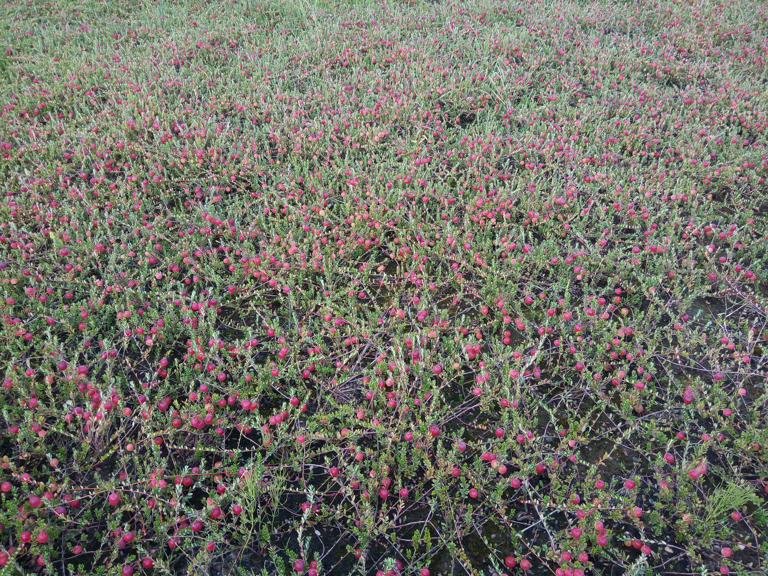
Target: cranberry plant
(367, 287)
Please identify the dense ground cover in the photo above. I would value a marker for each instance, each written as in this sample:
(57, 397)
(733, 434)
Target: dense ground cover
(336, 287)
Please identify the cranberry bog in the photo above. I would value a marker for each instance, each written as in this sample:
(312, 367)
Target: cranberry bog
(384, 288)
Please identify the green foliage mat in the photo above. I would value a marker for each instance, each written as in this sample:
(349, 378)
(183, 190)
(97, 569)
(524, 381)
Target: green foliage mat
(383, 287)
